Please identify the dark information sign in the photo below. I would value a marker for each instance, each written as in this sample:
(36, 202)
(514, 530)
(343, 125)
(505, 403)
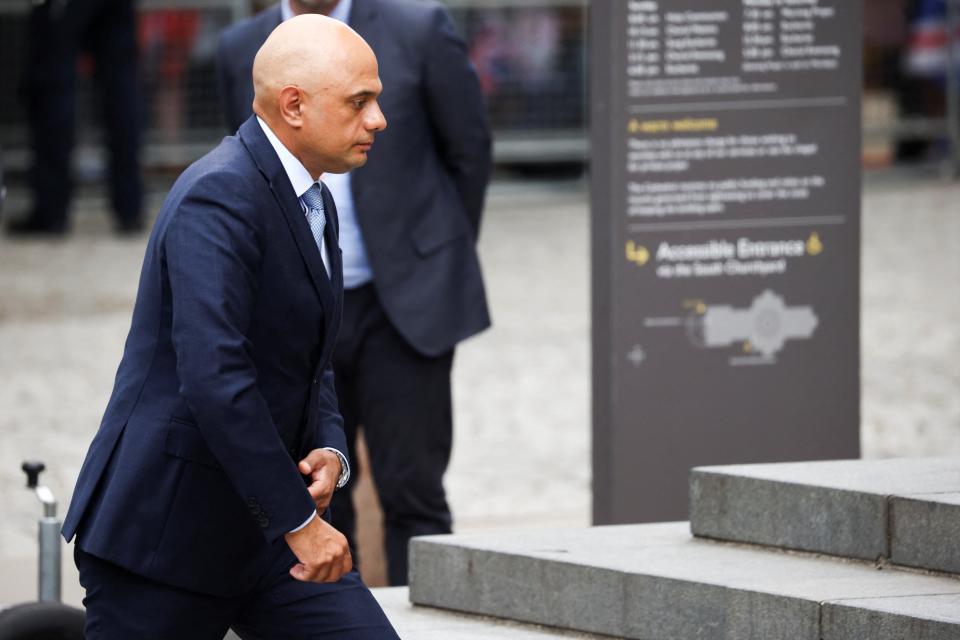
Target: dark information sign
(725, 186)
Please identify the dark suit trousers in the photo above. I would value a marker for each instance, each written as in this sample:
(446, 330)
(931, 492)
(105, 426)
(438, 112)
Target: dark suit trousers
(122, 606)
(403, 401)
(59, 31)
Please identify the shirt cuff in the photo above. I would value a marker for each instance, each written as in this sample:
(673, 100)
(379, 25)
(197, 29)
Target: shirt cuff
(305, 522)
(345, 468)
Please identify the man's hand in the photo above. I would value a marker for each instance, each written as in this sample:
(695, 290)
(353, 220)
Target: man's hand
(324, 469)
(323, 552)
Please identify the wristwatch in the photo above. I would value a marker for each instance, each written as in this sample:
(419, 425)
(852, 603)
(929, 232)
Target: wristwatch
(344, 468)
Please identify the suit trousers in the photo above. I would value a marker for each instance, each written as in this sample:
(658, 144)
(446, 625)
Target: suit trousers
(403, 400)
(122, 605)
(59, 31)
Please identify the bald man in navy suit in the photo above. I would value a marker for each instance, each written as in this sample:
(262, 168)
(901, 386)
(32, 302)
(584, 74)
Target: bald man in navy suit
(410, 219)
(198, 507)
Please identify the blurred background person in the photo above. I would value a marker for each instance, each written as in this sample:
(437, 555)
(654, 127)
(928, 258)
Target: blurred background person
(59, 31)
(409, 224)
(924, 69)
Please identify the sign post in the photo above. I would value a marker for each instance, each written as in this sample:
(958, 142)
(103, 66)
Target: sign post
(725, 188)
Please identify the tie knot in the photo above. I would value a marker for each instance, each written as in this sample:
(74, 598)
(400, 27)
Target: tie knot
(313, 198)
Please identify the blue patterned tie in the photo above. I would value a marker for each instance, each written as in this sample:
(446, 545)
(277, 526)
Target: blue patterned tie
(313, 201)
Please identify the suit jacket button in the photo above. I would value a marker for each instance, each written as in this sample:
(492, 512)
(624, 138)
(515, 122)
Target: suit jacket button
(263, 521)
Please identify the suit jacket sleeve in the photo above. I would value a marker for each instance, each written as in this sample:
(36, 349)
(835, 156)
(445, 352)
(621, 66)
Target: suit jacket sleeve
(457, 111)
(330, 422)
(212, 255)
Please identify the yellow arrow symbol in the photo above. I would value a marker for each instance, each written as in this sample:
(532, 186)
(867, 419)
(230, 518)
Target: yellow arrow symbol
(637, 254)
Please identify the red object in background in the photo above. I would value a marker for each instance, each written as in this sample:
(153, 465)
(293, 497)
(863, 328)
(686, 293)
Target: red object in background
(168, 36)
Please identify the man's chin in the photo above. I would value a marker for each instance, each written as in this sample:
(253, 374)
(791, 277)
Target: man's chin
(359, 160)
(345, 167)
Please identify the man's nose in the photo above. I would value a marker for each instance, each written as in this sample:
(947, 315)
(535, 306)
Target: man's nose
(376, 121)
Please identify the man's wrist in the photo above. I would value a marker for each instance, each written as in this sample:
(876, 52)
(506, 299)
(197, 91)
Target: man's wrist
(305, 522)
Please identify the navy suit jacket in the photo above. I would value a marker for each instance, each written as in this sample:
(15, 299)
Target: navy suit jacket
(224, 384)
(420, 196)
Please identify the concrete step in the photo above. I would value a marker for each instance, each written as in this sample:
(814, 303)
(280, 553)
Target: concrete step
(905, 510)
(656, 581)
(414, 622)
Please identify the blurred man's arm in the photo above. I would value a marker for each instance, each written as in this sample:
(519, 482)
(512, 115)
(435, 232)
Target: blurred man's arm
(225, 85)
(458, 114)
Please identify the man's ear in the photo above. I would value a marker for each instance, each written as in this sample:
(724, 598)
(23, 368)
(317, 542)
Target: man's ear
(291, 106)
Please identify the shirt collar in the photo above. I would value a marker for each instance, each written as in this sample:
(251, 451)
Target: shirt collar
(299, 176)
(340, 12)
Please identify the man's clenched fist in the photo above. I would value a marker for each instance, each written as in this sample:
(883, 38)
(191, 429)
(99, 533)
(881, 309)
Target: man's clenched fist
(322, 551)
(324, 469)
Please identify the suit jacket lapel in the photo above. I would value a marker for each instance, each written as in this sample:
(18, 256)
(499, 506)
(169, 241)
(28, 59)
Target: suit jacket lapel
(331, 234)
(269, 164)
(332, 237)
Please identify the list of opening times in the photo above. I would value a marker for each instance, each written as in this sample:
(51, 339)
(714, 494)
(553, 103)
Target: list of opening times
(704, 43)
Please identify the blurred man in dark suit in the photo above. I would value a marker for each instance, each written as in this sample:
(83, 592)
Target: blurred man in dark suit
(198, 505)
(410, 220)
(59, 31)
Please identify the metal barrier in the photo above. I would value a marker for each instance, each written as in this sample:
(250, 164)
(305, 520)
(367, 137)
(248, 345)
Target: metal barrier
(953, 85)
(911, 91)
(178, 86)
(531, 58)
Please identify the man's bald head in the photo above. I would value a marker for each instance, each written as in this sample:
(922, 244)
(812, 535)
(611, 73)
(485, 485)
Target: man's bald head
(310, 51)
(316, 84)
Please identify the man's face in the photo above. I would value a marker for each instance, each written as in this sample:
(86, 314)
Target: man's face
(340, 121)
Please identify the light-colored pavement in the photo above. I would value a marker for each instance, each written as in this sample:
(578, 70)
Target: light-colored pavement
(911, 320)
(427, 623)
(521, 389)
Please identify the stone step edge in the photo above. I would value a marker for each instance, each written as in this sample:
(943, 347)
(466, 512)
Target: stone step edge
(880, 564)
(884, 559)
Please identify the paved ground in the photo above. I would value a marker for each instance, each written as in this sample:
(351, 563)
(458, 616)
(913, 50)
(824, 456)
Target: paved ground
(427, 623)
(522, 389)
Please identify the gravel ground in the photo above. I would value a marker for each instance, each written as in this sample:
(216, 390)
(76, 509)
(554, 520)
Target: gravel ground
(522, 388)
